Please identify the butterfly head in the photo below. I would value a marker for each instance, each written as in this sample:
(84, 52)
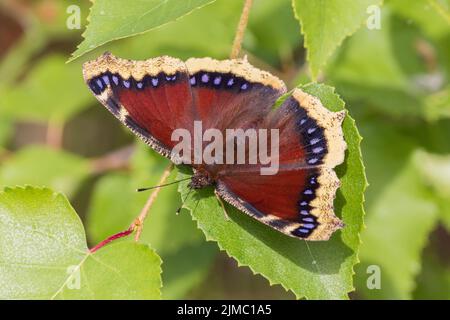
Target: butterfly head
(201, 179)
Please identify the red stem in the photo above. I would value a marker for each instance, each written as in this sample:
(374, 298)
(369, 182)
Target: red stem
(112, 238)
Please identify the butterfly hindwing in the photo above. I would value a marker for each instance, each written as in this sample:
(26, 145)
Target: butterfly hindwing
(298, 199)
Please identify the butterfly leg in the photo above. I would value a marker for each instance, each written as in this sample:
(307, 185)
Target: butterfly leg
(222, 205)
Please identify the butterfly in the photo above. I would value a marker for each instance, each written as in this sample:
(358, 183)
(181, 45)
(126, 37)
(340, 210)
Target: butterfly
(156, 96)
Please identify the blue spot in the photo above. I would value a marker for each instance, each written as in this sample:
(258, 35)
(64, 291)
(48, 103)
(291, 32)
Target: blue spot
(139, 85)
(244, 86)
(308, 219)
(126, 83)
(304, 212)
(308, 191)
(155, 82)
(311, 130)
(100, 84)
(317, 150)
(171, 78)
(193, 81)
(115, 79)
(230, 82)
(205, 78)
(217, 80)
(106, 79)
(309, 226)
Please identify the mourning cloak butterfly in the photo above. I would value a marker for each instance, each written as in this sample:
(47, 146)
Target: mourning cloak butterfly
(157, 96)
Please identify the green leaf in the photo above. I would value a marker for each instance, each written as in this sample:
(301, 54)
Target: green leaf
(43, 166)
(398, 225)
(186, 268)
(326, 23)
(395, 200)
(401, 212)
(52, 91)
(272, 29)
(115, 204)
(435, 170)
(317, 270)
(432, 16)
(437, 105)
(434, 281)
(111, 20)
(196, 41)
(377, 66)
(6, 128)
(383, 143)
(43, 254)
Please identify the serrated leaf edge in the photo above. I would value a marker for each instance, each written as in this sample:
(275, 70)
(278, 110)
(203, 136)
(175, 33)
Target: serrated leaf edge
(75, 55)
(314, 74)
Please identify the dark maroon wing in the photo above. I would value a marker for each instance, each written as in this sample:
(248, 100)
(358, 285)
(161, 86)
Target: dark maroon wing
(231, 93)
(150, 97)
(298, 199)
(156, 96)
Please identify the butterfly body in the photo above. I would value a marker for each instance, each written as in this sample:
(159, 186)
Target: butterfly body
(157, 97)
(201, 179)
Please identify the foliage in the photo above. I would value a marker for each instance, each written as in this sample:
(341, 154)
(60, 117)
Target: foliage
(111, 20)
(326, 23)
(44, 254)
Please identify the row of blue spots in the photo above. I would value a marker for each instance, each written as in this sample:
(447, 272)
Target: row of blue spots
(311, 134)
(219, 80)
(99, 84)
(309, 222)
(313, 138)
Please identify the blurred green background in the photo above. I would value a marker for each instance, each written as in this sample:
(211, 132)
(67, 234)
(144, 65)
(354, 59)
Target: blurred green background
(393, 80)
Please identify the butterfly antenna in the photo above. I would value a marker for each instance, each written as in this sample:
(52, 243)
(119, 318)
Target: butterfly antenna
(184, 201)
(161, 185)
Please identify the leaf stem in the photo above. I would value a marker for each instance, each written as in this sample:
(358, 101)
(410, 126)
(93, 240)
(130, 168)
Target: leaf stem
(237, 43)
(112, 238)
(139, 222)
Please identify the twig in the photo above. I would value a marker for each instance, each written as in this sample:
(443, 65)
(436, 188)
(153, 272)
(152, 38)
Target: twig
(427, 53)
(55, 131)
(237, 43)
(138, 223)
(117, 159)
(4, 154)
